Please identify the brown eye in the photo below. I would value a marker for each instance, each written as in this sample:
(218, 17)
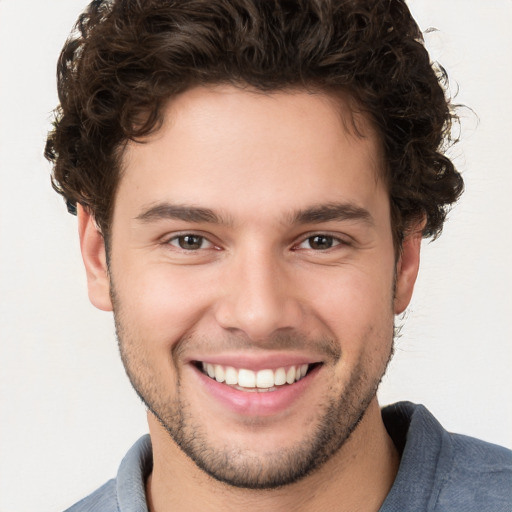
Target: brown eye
(320, 242)
(190, 242)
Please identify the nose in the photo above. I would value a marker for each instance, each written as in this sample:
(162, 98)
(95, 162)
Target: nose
(258, 296)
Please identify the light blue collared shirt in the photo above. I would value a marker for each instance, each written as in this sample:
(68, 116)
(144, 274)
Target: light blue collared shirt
(439, 471)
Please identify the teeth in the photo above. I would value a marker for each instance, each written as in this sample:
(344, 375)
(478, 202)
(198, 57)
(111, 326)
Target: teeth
(246, 378)
(262, 379)
(280, 377)
(219, 373)
(231, 375)
(265, 379)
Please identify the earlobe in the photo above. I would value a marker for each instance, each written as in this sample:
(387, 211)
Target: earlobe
(407, 270)
(94, 256)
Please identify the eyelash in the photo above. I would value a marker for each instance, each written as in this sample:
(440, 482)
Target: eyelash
(331, 240)
(182, 236)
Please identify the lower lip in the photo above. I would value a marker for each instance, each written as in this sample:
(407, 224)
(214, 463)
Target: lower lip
(256, 403)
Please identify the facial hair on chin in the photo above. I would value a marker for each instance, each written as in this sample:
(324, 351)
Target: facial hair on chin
(335, 421)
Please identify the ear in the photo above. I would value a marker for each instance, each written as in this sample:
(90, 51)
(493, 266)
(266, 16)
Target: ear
(407, 268)
(94, 255)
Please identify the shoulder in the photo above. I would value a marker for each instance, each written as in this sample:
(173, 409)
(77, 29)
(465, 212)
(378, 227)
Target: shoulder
(478, 477)
(468, 451)
(102, 500)
(444, 472)
(126, 492)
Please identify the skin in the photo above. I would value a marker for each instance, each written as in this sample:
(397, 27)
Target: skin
(256, 287)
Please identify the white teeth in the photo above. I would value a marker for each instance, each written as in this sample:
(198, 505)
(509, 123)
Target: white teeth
(219, 373)
(262, 379)
(280, 377)
(265, 379)
(246, 378)
(231, 375)
(290, 375)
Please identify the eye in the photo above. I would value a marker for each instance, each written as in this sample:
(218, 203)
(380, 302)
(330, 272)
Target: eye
(190, 242)
(319, 242)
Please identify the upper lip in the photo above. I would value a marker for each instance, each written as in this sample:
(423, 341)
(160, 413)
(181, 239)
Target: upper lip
(256, 362)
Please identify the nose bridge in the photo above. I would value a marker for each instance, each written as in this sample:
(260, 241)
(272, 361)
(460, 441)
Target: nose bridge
(258, 298)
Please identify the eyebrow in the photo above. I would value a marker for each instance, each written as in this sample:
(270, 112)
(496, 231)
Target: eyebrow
(332, 212)
(311, 215)
(187, 213)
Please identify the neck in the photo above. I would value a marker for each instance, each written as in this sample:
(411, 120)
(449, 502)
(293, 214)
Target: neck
(358, 477)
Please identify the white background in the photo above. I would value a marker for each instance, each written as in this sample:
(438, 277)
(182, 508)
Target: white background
(67, 412)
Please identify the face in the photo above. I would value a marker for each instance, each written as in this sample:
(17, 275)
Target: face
(253, 279)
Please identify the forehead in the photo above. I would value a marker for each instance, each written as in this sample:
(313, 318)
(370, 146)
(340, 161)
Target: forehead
(225, 147)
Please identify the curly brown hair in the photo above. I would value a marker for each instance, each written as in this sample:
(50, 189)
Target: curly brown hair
(126, 58)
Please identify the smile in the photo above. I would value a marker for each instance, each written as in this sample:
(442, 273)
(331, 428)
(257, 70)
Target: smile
(249, 380)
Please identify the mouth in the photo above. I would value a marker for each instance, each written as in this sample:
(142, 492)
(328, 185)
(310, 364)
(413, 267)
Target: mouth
(260, 381)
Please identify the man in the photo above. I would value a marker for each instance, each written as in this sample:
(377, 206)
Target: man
(252, 182)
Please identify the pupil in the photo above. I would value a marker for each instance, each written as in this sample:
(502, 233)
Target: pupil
(190, 242)
(320, 242)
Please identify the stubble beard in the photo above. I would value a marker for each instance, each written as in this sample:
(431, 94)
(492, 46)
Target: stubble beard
(335, 422)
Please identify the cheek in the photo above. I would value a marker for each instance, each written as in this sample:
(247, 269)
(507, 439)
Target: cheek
(356, 306)
(162, 306)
